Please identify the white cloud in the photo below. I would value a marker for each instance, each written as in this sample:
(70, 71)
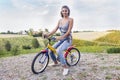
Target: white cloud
(98, 15)
(87, 14)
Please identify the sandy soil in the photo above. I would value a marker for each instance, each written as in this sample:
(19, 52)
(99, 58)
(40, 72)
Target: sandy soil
(91, 67)
(89, 35)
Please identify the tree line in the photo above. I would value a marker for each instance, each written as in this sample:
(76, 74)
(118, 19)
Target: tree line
(30, 32)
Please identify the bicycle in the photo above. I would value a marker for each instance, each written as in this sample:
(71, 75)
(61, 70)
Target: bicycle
(41, 60)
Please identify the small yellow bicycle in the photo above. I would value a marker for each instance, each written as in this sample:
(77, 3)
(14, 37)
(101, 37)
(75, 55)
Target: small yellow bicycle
(41, 60)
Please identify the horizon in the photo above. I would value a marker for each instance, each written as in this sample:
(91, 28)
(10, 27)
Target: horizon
(89, 15)
(73, 31)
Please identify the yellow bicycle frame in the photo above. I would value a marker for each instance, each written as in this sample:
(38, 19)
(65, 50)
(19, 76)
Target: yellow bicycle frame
(52, 49)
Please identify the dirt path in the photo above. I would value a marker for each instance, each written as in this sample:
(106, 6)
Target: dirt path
(91, 67)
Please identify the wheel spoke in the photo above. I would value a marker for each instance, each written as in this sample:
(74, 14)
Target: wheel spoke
(39, 63)
(73, 57)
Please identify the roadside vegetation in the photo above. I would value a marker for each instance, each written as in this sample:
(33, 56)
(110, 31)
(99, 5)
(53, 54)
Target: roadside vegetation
(12, 46)
(109, 43)
(111, 38)
(20, 45)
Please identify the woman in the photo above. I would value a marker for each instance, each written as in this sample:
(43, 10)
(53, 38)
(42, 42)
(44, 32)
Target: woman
(65, 40)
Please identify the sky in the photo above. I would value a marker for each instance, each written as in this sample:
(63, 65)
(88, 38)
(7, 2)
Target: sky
(88, 15)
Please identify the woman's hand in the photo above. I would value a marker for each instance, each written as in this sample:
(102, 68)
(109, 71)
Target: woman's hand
(59, 38)
(45, 35)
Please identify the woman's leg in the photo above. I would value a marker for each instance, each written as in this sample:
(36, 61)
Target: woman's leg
(61, 49)
(52, 54)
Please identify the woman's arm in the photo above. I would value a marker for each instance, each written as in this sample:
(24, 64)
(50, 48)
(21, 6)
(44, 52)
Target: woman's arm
(68, 31)
(54, 30)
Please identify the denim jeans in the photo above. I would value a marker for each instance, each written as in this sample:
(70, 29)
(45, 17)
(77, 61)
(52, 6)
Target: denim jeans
(60, 46)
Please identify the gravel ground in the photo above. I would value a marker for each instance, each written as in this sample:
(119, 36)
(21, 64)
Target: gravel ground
(91, 67)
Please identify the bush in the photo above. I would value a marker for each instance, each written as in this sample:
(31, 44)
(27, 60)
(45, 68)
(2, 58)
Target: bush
(8, 46)
(26, 47)
(15, 50)
(113, 50)
(38, 34)
(35, 43)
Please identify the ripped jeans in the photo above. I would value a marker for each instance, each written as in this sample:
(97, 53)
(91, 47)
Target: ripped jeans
(60, 46)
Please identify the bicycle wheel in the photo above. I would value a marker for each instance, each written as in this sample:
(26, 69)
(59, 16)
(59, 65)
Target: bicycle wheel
(73, 57)
(40, 63)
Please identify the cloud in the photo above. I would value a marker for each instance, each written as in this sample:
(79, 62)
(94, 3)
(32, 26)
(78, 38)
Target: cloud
(36, 14)
(98, 15)
(32, 14)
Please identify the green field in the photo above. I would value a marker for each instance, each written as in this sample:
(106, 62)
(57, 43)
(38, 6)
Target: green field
(99, 45)
(112, 38)
(109, 41)
(17, 44)
(92, 47)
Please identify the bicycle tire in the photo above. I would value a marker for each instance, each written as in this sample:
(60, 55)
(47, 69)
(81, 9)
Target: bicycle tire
(71, 55)
(34, 67)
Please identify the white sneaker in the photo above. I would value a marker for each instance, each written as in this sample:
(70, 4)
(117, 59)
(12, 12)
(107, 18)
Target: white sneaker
(65, 71)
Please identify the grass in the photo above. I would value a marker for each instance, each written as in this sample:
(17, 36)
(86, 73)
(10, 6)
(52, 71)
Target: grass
(117, 67)
(20, 41)
(10, 53)
(106, 67)
(82, 75)
(17, 44)
(108, 77)
(44, 78)
(69, 78)
(113, 38)
(83, 49)
(78, 42)
(94, 49)
(100, 45)
(113, 50)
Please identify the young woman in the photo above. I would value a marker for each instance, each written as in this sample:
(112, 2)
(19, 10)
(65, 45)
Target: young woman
(65, 25)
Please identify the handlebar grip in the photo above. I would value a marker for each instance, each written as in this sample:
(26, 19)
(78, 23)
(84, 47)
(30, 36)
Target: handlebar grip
(53, 38)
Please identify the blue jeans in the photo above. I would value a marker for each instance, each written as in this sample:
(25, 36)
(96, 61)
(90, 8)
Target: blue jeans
(60, 46)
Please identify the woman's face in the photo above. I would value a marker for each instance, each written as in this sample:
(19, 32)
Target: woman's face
(64, 12)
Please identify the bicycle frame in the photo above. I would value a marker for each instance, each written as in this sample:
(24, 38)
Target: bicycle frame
(51, 48)
(54, 50)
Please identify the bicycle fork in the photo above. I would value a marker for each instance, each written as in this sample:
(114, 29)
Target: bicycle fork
(43, 58)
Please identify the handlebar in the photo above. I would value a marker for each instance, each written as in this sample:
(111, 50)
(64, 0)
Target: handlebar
(50, 38)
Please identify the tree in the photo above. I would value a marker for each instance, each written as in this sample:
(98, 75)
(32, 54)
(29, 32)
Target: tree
(8, 32)
(8, 46)
(46, 30)
(31, 31)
